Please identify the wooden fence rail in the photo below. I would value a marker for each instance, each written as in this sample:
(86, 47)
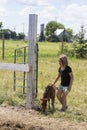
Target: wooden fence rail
(14, 67)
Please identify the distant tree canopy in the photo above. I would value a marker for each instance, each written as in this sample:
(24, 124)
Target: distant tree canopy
(42, 36)
(0, 25)
(20, 36)
(8, 34)
(51, 28)
(81, 35)
(70, 32)
(50, 31)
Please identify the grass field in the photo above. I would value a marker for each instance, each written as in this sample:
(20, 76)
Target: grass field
(47, 71)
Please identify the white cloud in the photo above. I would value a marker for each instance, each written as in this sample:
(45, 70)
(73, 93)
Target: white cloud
(24, 11)
(27, 2)
(35, 2)
(2, 2)
(48, 12)
(44, 2)
(3, 12)
(43, 11)
(75, 12)
(71, 15)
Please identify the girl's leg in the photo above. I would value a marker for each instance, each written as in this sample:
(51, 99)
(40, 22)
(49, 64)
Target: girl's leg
(59, 95)
(64, 101)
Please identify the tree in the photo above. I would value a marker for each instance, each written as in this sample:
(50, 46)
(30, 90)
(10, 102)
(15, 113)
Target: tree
(42, 37)
(50, 30)
(70, 34)
(51, 27)
(0, 25)
(69, 31)
(60, 26)
(13, 35)
(0, 30)
(81, 35)
(20, 36)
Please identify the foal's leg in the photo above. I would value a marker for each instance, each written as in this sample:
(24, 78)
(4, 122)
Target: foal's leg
(52, 101)
(49, 104)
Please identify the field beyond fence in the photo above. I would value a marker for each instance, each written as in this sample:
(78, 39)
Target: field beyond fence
(47, 71)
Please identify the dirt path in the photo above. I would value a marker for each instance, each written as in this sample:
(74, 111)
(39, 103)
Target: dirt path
(15, 118)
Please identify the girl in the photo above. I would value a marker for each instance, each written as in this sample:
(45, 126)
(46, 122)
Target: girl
(66, 75)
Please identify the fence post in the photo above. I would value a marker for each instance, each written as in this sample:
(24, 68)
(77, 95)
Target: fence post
(3, 46)
(31, 61)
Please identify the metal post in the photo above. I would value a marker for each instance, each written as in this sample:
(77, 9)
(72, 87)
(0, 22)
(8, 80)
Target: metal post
(31, 61)
(24, 74)
(15, 71)
(37, 68)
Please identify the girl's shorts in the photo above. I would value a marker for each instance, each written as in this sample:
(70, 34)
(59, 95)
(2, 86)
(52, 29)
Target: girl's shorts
(63, 88)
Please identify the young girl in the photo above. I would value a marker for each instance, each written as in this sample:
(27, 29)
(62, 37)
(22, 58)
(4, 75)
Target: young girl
(66, 75)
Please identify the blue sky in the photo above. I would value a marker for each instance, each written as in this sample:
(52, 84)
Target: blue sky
(14, 14)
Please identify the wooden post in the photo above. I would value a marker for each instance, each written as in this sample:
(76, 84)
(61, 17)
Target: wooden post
(62, 47)
(63, 39)
(3, 46)
(31, 61)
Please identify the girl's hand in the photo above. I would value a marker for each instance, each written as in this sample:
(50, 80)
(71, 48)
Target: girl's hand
(51, 85)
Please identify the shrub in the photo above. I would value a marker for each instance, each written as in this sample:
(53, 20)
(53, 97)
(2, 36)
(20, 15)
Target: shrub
(80, 50)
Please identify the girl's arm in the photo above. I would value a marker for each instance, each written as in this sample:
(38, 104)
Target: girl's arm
(56, 79)
(71, 81)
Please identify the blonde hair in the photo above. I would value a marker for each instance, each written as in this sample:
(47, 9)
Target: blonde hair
(63, 59)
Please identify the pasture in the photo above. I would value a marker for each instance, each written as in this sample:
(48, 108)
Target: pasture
(47, 71)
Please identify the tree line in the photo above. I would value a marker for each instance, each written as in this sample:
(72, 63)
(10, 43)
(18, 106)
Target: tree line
(49, 33)
(9, 34)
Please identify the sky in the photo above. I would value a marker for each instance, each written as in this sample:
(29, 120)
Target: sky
(14, 14)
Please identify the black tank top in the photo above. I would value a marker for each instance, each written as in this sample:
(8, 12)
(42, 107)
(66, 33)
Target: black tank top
(65, 77)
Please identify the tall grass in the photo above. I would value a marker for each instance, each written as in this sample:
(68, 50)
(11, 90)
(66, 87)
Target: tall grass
(9, 48)
(47, 71)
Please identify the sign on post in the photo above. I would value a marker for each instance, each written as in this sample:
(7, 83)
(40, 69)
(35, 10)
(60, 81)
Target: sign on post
(31, 60)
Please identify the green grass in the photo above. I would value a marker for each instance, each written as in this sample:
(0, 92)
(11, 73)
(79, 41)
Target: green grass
(47, 68)
(9, 48)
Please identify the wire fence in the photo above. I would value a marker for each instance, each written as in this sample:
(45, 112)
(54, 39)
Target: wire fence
(13, 84)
